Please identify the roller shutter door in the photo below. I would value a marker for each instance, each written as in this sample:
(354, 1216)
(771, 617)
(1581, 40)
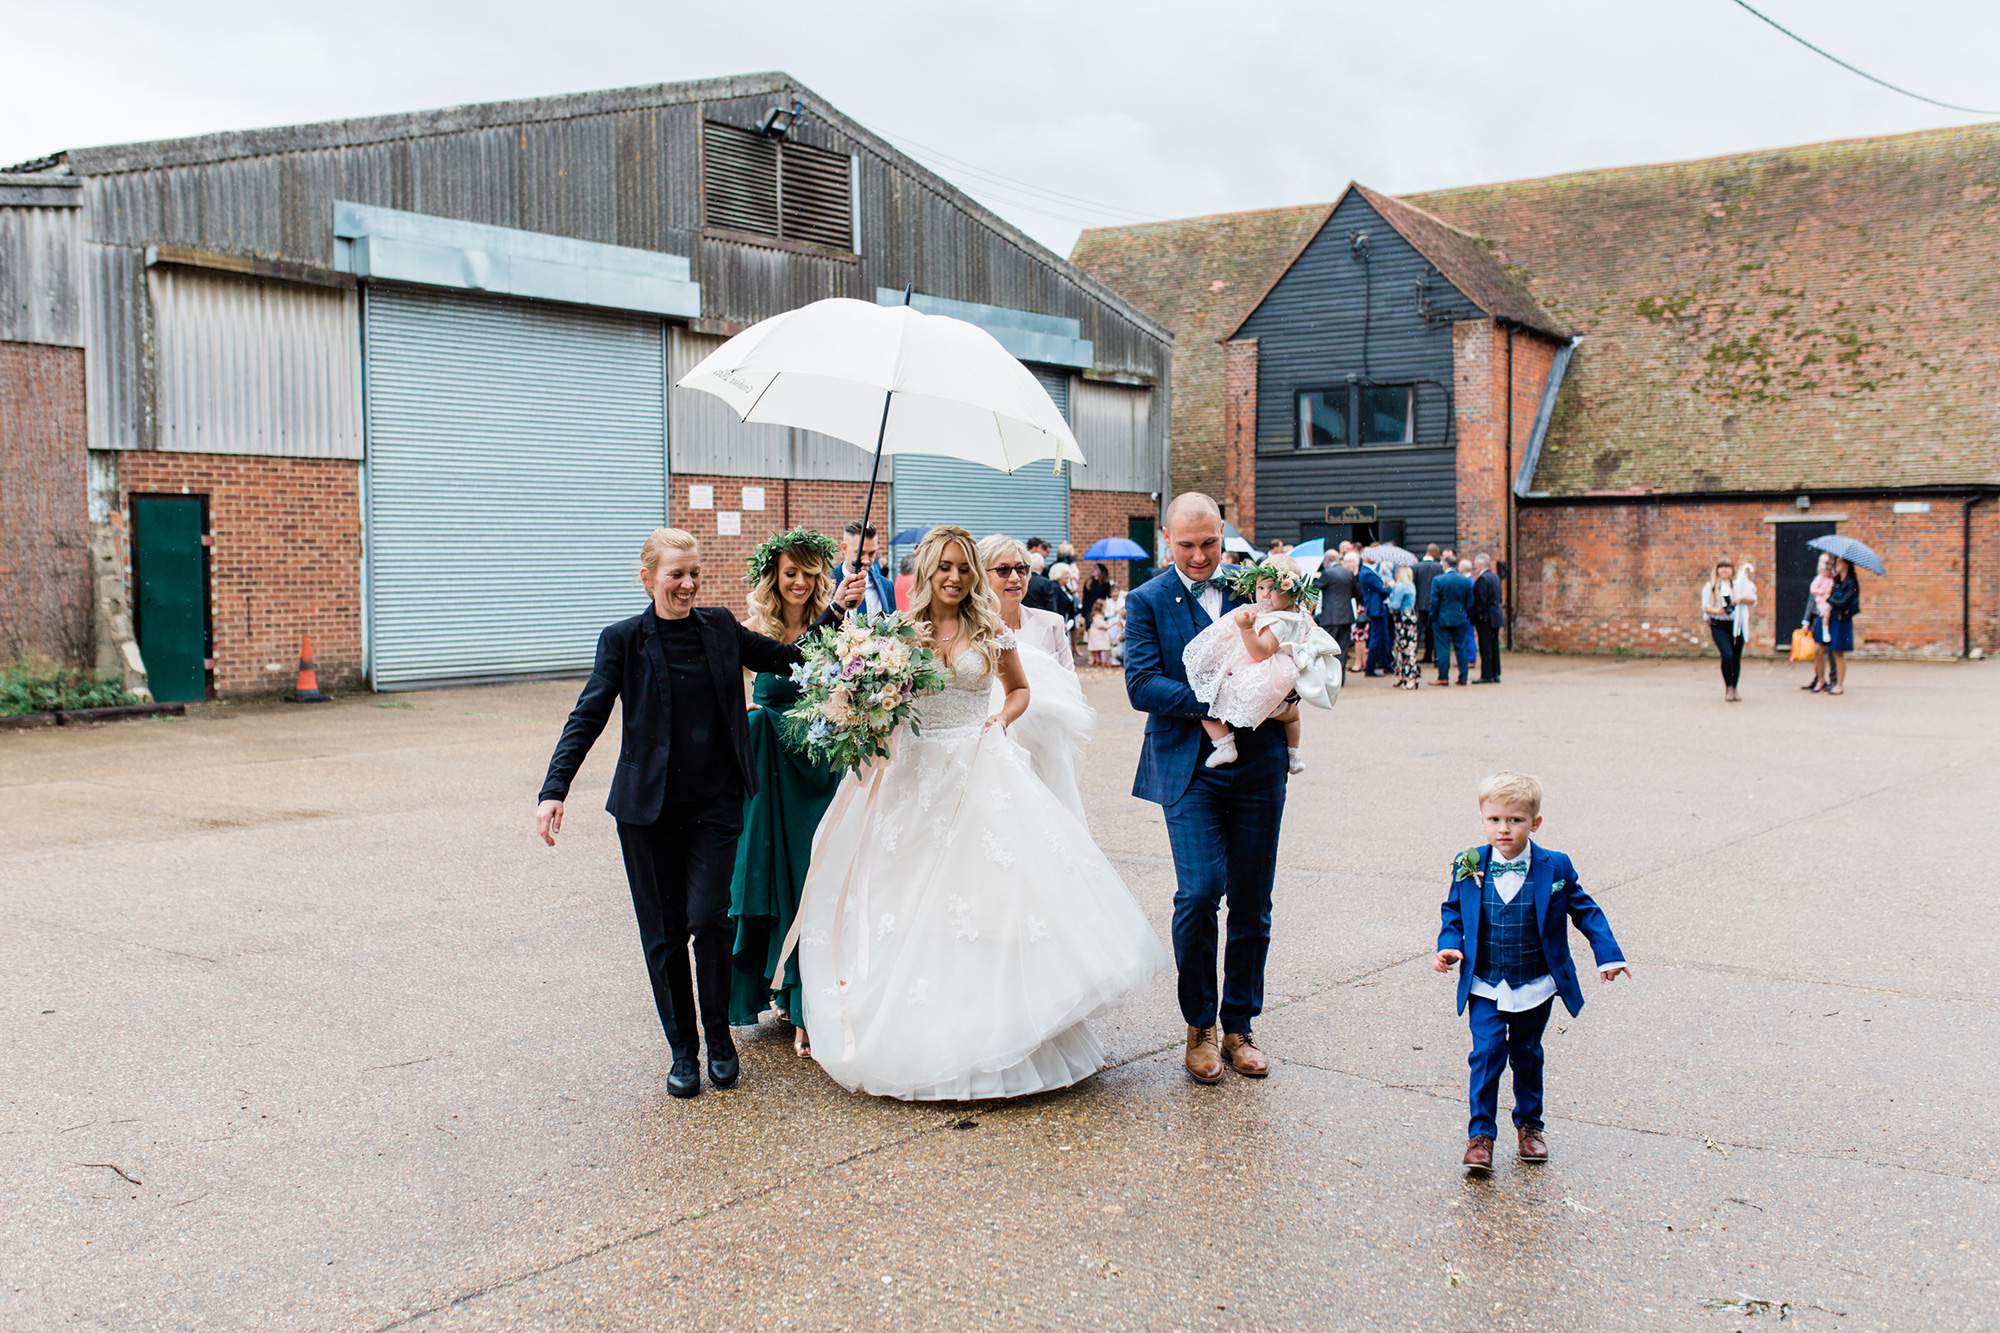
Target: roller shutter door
(516, 461)
(1030, 502)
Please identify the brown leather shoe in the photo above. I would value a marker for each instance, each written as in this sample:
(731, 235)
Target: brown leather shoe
(1204, 1057)
(1478, 1154)
(1534, 1148)
(1244, 1057)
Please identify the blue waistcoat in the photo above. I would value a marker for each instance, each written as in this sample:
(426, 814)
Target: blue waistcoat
(1510, 944)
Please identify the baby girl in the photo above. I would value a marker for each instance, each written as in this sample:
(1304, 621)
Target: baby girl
(1257, 662)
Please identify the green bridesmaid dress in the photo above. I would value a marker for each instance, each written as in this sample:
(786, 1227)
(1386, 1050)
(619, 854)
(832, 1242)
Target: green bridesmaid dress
(793, 791)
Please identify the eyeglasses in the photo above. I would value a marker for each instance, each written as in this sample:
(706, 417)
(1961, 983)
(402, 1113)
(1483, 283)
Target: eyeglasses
(1008, 571)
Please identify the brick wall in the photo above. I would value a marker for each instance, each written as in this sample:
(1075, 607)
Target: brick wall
(1479, 368)
(827, 506)
(1239, 435)
(44, 504)
(1095, 515)
(1603, 577)
(285, 561)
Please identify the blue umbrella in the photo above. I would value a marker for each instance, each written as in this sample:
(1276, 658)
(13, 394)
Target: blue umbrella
(1309, 553)
(908, 537)
(1117, 548)
(1850, 550)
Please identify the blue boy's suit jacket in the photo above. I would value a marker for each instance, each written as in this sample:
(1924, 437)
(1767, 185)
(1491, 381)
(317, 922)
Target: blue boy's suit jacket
(1160, 619)
(1555, 907)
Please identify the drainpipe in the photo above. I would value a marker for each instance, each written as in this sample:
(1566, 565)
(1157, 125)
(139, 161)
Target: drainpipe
(1965, 575)
(1507, 490)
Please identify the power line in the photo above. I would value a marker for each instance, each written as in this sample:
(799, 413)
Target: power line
(1949, 106)
(996, 178)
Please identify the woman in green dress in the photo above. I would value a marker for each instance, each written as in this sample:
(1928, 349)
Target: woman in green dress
(791, 583)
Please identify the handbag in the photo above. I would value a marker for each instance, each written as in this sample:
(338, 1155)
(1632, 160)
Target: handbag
(1803, 647)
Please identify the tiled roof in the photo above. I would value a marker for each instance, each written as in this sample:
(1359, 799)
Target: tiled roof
(1469, 263)
(1814, 316)
(1199, 277)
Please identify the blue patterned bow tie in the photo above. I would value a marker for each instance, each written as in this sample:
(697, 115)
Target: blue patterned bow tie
(1519, 867)
(1199, 586)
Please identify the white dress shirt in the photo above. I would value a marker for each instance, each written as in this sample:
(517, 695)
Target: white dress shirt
(1210, 599)
(1510, 999)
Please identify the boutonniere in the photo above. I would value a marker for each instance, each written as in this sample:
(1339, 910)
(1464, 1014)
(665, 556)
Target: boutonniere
(1467, 865)
(1561, 884)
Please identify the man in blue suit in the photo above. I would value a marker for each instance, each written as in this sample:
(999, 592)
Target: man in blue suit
(1373, 595)
(1506, 917)
(856, 545)
(1221, 822)
(1451, 612)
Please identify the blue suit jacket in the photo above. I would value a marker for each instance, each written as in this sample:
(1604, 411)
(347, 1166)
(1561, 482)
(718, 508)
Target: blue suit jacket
(1372, 589)
(1160, 619)
(1451, 599)
(884, 588)
(1559, 899)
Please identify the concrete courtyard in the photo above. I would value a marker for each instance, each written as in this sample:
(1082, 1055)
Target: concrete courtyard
(302, 1029)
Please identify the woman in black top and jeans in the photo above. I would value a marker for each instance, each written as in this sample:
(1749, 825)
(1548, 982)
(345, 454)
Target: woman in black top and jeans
(1718, 603)
(676, 670)
(1841, 605)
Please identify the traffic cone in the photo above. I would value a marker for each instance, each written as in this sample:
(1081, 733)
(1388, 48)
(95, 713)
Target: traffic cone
(308, 692)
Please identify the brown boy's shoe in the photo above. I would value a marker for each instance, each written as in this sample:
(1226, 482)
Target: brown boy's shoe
(1534, 1148)
(1244, 1057)
(1204, 1057)
(1478, 1154)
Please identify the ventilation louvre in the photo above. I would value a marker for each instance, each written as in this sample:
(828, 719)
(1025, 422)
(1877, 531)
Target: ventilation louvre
(771, 187)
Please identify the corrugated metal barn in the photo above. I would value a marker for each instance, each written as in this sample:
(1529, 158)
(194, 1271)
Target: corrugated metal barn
(403, 383)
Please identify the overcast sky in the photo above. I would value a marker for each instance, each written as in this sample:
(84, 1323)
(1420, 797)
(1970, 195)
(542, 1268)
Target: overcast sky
(1126, 112)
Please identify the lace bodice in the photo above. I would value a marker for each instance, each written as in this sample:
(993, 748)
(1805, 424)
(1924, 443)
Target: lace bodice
(966, 700)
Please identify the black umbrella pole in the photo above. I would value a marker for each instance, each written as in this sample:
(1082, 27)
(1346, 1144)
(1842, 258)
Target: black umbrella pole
(868, 502)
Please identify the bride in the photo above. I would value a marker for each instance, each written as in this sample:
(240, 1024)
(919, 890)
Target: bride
(958, 924)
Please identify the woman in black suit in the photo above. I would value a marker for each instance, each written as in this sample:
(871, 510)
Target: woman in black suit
(684, 767)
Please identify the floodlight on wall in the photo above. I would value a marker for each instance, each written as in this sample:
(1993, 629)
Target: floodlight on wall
(1803, 502)
(779, 121)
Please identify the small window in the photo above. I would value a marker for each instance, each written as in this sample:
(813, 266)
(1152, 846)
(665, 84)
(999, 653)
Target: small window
(1388, 414)
(769, 186)
(1322, 418)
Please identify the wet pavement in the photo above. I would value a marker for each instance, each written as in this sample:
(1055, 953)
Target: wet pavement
(301, 1029)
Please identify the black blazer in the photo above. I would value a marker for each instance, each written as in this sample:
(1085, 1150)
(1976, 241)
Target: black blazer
(1486, 609)
(1338, 587)
(1041, 593)
(632, 669)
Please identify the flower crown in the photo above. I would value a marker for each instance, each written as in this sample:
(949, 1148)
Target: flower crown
(1302, 590)
(765, 558)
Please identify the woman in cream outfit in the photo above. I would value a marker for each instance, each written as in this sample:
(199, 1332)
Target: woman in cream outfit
(1058, 722)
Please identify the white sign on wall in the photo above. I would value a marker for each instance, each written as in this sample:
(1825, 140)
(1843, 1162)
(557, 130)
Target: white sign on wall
(753, 498)
(728, 523)
(701, 497)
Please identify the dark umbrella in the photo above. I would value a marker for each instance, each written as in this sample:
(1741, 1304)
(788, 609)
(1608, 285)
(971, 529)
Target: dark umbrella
(1854, 552)
(908, 537)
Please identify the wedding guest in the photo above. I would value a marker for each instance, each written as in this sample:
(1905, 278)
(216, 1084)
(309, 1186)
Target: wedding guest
(1096, 590)
(1427, 569)
(1403, 619)
(1815, 620)
(1117, 603)
(1339, 584)
(1041, 593)
(1451, 612)
(1058, 722)
(1842, 603)
(1468, 643)
(881, 594)
(1506, 916)
(676, 673)
(1006, 563)
(1488, 615)
(905, 576)
(1718, 605)
(791, 586)
(1100, 637)
(1372, 592)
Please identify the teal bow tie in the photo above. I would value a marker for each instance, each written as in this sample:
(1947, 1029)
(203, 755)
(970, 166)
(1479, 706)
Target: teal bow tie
(1202, 585)
(1510, 867)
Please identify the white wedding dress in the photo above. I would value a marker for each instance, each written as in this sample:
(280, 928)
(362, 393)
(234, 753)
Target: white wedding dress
(959, 927)
(1059, 720)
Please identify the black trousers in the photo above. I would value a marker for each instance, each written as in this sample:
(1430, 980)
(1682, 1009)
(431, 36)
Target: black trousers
(1344, 636)
(679, 870)
(1731, 648)
(1489, 652)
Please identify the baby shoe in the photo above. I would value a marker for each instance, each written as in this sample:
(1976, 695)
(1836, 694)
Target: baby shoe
(1225, 752)
(1296, 764)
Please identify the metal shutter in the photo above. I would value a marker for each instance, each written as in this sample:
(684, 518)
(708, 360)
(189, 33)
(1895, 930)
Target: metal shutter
(516, 461)
(1032, 502)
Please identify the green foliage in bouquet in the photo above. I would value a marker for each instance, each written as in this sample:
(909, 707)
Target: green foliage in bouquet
(859, 680)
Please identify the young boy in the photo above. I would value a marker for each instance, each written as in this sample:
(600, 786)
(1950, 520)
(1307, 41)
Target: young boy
(1506, 918)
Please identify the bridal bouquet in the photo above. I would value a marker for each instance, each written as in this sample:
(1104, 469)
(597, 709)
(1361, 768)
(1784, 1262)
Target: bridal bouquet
(859, 679)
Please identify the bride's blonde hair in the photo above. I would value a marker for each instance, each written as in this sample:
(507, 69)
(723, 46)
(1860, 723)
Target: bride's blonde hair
(978, 612)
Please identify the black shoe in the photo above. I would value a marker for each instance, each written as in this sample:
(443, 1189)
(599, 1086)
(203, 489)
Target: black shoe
(723, 1067)
(684, 1079)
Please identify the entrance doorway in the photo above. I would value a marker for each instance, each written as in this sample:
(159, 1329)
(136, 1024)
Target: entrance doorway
(1792, 575)
(1388, 530)
(1140, 530)
(170, 586)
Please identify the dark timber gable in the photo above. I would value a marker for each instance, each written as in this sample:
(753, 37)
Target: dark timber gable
(1388, 320)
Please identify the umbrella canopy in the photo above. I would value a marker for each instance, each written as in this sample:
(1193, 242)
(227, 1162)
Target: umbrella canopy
(908, 537)
(1850, 550)
(1395, 555)
(890, 379)
(1241, 547)
(1117, 548)
(1309, 553)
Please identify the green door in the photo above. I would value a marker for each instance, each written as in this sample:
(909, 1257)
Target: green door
(1140, 530)
(170, 611)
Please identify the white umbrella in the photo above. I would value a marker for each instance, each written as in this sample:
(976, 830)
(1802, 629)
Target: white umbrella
(890, 379)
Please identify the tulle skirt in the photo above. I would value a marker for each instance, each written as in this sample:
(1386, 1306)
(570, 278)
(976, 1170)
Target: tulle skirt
(1056, 727)
(1237, 690)
(980, 928)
